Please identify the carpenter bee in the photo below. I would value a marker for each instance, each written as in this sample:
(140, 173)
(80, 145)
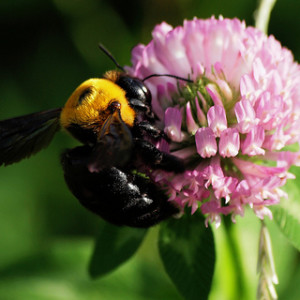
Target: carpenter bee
(112, 118)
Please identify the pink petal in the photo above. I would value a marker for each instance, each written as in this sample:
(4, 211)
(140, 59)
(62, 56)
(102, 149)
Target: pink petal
(245, 116)
(229, 144)
(173, 121)
(226, 186)
(190, 122)
(214, 94)
(216, 118)
(213, 172)
(200, 114)
(225, 89)
(253, 142)
(206, 142)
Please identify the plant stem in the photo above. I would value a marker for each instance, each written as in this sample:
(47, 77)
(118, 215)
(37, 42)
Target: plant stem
(262, 14)
(236, 259)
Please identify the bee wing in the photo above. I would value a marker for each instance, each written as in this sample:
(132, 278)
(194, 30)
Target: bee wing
(114, 147)
(26, 135)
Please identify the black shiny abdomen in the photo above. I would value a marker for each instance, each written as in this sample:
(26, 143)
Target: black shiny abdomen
(115, 194)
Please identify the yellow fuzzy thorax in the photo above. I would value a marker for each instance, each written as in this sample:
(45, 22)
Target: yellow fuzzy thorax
(93, 109)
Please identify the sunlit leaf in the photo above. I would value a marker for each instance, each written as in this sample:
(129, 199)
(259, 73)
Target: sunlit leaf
(287, 213)
(188, 253)
(289, 225)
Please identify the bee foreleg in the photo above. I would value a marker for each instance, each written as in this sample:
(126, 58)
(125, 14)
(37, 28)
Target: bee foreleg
(151, 130)
(157, 159)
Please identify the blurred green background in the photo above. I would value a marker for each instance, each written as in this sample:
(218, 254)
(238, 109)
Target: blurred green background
(49, 47)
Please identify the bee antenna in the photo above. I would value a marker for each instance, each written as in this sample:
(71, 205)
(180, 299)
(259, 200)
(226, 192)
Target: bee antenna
(103, 49)
(167, 75)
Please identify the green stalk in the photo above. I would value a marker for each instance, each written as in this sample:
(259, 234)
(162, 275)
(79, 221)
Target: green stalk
(236, 258)
(262, 14)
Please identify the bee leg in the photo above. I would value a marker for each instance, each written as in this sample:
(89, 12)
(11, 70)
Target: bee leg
(157, 159)
(142, 107)
(118, 196)
(151, 130)
(138, 105)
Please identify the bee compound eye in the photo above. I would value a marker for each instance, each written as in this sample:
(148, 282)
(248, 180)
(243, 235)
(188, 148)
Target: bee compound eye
(114, 105)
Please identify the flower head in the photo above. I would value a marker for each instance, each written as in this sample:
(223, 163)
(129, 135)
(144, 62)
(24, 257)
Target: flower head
(232, 123)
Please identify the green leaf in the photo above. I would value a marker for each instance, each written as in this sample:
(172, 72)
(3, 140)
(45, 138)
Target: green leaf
(187, 250)
(114, 246)
(288, 224)
(287, 213)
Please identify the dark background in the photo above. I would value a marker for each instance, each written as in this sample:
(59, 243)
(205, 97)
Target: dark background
(47, 49)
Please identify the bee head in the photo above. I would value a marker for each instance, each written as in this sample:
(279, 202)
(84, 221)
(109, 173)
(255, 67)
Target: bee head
(91, 104)
(135, 88)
